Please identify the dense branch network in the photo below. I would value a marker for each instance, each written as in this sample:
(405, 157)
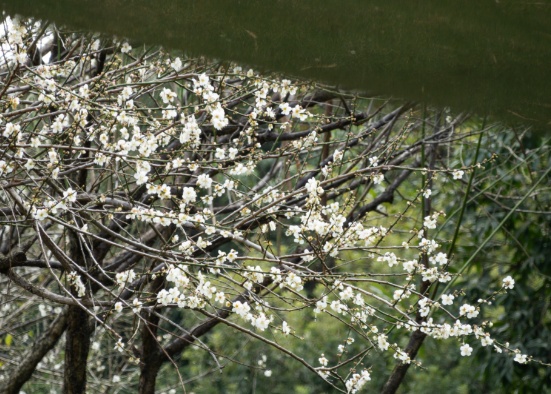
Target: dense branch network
(147, 199)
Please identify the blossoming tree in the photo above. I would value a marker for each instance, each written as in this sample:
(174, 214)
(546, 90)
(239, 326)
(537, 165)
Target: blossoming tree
(149, 199)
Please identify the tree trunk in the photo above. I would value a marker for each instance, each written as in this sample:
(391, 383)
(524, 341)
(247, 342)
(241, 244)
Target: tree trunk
(151, 354)
(77, 346)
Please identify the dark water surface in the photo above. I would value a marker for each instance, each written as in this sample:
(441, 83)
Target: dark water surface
(489, 56)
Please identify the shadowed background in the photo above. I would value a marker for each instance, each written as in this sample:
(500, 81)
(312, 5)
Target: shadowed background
(493, 57)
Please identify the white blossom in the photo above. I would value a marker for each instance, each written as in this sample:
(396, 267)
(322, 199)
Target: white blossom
(466, 350)
(508, 282)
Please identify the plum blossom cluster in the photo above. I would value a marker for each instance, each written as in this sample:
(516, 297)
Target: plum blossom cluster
(186, 295)
(357, 381)
(76, 283)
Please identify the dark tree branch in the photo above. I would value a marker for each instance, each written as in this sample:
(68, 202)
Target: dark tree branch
(30, 360)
